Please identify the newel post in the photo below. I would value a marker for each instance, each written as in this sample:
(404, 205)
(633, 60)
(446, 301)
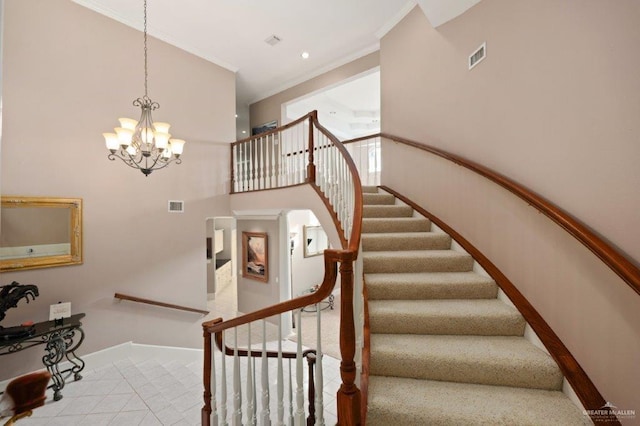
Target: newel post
(311, 167)
(348, 397)
(206, 410)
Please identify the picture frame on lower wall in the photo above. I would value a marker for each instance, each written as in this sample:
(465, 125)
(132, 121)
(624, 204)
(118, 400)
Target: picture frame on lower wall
(255, 256)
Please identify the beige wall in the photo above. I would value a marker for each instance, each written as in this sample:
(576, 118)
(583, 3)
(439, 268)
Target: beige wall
(555, 106)
(269, 109)
(69, 73)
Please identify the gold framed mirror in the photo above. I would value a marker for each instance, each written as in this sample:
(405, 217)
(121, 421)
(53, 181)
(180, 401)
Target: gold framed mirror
(40, 232)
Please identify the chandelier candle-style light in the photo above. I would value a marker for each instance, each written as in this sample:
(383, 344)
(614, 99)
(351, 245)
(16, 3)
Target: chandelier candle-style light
(143, 144)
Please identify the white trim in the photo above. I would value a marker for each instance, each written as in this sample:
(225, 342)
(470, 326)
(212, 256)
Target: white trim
(395, 20)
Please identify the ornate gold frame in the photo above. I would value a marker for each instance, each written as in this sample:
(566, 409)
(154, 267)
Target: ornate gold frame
(75, 237)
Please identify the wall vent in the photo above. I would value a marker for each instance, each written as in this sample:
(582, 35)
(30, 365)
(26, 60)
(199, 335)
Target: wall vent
(273, 40)
(476, 57)
(176, 206)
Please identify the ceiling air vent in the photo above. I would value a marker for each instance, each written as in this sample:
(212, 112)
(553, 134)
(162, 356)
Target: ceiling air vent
(176, 206)
(476, 57)
(273, 40)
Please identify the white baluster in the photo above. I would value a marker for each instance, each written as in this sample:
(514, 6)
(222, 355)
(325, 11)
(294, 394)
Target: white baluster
(237, 390)
(250, 383)
(290, 395)
(214, 404)
(234, 161)
(259, 155)
(279, 164)
(254, 411)
(319, 383)
(223, 384)
(299, 418)
(266, 412)
(280, 374)
(272, 173)
(303, 148)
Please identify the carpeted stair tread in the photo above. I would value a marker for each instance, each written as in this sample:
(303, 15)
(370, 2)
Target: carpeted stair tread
(410, 402)
(416, 261)
(488, 360)
(405, 241)
(378, 199)
(430, 285)
(369, 189)
(488, 317)
(400, 224)
(387, 211)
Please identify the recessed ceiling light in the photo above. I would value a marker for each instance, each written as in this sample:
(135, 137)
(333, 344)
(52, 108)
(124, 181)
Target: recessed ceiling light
(236, 115)
(305, 55)
(244, 131)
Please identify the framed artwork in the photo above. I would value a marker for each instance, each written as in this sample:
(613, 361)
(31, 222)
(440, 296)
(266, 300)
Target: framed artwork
(264, 127)
(315, 241)
(255, 256)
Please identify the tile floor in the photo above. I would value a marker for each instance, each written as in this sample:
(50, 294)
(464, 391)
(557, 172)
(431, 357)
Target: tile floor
(149, 392)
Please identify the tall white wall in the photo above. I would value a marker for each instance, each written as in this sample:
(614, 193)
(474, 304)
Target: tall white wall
(68, 74)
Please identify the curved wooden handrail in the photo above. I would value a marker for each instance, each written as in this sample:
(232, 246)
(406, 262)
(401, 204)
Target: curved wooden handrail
(276, 130)
(121, 296)
(613, 258)
(583, 386)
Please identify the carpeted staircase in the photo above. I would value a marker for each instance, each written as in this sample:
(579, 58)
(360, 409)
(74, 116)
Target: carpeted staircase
(444, 349)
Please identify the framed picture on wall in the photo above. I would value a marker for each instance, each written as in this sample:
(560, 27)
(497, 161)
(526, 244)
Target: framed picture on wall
(264, 127)
(255, 256)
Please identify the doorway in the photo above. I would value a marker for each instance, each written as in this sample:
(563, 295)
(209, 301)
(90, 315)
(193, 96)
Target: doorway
(221, 259)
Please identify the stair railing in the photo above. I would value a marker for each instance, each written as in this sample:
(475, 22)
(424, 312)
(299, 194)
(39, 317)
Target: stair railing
(366, 152)
(302, 152)
(616, 260)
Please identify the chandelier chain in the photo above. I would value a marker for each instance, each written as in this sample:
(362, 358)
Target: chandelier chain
(145, 50)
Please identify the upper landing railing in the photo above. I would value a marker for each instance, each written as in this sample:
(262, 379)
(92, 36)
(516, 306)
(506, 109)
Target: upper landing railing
(302, 152)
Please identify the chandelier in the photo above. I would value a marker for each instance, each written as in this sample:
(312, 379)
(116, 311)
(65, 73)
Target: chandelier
(144, 144)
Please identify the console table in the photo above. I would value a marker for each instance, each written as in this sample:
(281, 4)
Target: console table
(61, 341)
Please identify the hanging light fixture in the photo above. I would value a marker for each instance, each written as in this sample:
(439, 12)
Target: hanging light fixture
(144, 144)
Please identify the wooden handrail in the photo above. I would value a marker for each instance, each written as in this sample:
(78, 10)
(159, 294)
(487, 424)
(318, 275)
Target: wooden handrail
(121, 296)
(331, 257)
(613, 258)
(276, 130)
(571, 369)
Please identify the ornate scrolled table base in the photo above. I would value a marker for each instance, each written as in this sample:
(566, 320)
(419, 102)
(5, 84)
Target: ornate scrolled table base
(61, 342)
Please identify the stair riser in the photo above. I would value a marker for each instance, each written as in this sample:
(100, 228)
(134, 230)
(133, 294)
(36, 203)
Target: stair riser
(369, 189)
(419, 291)
(503, 325)
(378, 199)
(389, 225)
(420, 241)
(382, 264)
(501, 372)
(387, 211)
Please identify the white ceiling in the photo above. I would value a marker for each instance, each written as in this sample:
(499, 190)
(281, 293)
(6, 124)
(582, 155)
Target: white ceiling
(232, 33)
